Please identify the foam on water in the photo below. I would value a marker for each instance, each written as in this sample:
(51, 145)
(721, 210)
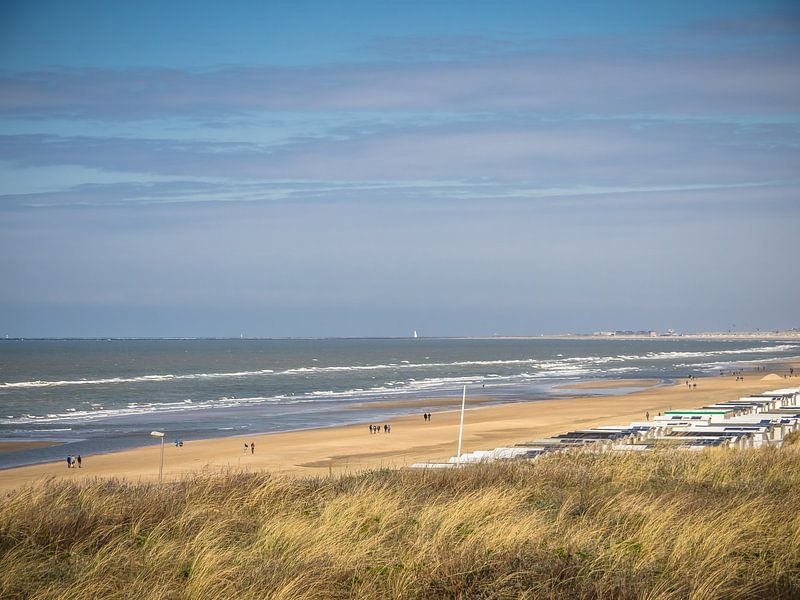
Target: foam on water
(554, 365)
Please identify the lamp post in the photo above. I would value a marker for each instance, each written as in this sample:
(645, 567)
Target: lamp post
(160, 434)
(461, 426)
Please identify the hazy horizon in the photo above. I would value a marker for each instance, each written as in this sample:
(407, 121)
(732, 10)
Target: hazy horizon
(365, 170)
(600, 334)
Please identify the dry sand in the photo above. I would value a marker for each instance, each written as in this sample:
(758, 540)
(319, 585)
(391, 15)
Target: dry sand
(352, 448)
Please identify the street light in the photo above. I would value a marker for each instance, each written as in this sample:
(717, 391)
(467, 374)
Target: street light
(160, 434)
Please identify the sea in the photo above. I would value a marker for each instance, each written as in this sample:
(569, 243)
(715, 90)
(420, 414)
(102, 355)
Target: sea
(105, 395)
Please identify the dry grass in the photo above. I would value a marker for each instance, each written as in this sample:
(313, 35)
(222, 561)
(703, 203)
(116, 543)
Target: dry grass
(792, 438)
(718, 524)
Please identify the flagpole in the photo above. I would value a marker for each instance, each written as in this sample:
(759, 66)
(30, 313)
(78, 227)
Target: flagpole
(461, 427)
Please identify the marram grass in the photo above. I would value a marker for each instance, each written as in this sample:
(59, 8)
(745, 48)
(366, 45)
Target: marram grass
(670, 524)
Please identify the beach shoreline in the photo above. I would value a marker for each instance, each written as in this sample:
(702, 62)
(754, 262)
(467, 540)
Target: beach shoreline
(352, 448)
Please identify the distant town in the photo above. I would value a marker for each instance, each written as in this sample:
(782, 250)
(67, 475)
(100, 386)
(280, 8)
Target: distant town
(776, 333)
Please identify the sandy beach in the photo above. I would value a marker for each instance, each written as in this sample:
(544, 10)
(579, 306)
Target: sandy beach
(352, 448)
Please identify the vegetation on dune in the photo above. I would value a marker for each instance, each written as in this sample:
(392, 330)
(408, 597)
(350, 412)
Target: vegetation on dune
(670, 524)
(792, 438)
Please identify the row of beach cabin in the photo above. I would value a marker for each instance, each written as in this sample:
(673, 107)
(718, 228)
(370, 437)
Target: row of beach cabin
(749, 422)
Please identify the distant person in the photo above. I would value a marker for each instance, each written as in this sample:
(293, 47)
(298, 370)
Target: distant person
(245, 448)
(180, 443)
(647, 416)
(385, 429)
(69, 462)
(79, 461)
(252, 447)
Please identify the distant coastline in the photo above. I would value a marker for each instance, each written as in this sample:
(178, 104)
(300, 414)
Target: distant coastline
(786, 334)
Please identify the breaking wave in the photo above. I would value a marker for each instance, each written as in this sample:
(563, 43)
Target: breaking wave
(552, 365)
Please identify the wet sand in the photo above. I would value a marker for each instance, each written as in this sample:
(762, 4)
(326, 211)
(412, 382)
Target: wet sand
(19, 445)
(604, 384)
(451, 402)
(352, 448)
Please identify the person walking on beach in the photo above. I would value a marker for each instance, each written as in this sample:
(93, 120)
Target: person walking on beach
(245, 448)
(79, 461)
(647, 416)
(252, 447)
(69, 462)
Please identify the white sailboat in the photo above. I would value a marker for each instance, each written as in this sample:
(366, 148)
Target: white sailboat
(415, 334)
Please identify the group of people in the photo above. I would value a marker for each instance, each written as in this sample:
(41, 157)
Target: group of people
(426, 416)
(74, 461)
(251, 447)
(377, 429)
(179, 443)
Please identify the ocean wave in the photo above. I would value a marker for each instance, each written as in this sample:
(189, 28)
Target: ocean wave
(544, 364)
(717, 365)
(136, 379)
(294, 371)
(710, 353)
(435, 386)
(550, 367)
(135, 408)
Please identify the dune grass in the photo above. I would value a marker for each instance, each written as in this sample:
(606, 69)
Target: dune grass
(669, 524)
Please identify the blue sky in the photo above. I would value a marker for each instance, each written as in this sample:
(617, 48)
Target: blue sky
(371, 168)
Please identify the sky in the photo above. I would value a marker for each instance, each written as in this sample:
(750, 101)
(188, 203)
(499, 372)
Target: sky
(277, 169)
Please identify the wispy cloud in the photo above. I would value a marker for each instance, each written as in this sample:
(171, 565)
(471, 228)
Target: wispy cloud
(571, 151)
(507, 172)
(581, 82)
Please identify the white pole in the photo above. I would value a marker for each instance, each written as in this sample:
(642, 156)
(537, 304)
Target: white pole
(461, 427)
(161, 465)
